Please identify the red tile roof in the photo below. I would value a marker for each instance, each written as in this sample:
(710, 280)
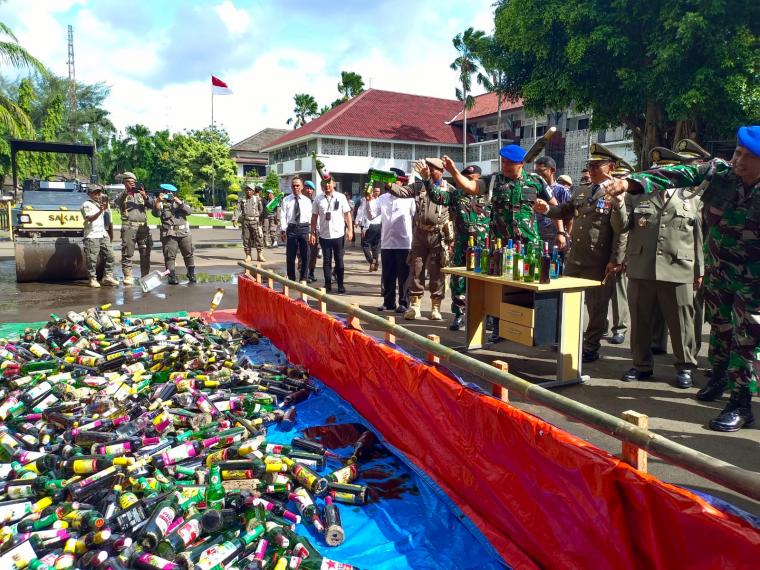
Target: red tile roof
(486, 104)
(377, 114)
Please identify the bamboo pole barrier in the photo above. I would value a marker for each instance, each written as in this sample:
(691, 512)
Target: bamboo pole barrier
(730, 476)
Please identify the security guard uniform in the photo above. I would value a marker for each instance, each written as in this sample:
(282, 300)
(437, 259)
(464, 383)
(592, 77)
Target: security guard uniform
(665, 260)
(595, 244)
(248, 213)
(175, 232)
(270, 222)
(135, 232)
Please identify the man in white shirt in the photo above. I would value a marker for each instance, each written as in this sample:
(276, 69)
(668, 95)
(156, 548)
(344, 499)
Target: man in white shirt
(96, 240)
(370, 232)
(294, 229)
(332, 212)
(396, 216)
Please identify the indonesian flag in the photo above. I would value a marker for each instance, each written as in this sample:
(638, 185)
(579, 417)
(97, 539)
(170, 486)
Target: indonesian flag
(219, 87)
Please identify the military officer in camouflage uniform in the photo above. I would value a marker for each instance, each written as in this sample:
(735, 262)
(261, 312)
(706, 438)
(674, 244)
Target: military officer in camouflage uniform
(513, 192)
(175, 232)
(134, 204)
(664, 267)
(270, 222)
(248, 214)
(730, 193)
(598, 250)
(471, 218)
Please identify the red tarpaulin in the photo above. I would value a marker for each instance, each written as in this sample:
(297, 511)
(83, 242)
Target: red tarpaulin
(541, 496)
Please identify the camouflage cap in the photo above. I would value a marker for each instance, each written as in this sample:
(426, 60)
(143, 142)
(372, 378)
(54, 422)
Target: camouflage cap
(127, 175)
(599, 153)
(692, 150)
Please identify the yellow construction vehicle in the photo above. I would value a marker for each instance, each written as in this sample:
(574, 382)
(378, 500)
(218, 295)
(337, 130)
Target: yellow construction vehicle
(48, 226)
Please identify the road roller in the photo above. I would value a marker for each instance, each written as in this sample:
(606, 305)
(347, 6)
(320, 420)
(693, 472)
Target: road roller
(48, 225)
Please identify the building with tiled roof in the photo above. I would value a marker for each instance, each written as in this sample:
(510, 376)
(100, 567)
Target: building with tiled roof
(376, 129)
(247, 154)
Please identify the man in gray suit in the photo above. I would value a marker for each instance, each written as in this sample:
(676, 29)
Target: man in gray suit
(665, 267)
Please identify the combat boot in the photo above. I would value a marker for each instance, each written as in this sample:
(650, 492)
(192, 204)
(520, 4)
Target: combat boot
(260, 256)
(457, 322)
(110, 280)
(173, 278)
(191, 275)
(94, 283)
(413, 312)
(128, 281)
(715, 386)
(435, 310)
(737, 414)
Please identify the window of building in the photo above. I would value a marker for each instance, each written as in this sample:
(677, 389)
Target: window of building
(358, 148)
(402, 151)
(425, 151)
(254, 170)
(583, 124)
(381, 150)
(335, 147)
(311, 146)
(540, 130)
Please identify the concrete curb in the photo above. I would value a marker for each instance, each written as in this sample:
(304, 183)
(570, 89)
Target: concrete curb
(154, 227)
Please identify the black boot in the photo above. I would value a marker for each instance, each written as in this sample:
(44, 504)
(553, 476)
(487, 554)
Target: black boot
(191, 275)
(173, 278)
(457, 323)
(737, 414)
(715, 386)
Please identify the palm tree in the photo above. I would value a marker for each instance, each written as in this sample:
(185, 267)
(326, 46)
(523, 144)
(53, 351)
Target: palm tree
(306, 107)
(12, 117)
(351, 84)
(468, 44)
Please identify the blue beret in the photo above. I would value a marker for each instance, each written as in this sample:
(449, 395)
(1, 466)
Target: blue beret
(169, 187)
(310, 184)
(513, 152)
(749, 137)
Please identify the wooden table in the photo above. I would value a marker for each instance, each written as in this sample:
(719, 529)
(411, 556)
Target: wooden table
(530, 314)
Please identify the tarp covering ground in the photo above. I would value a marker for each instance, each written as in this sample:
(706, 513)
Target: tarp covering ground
(542, 497)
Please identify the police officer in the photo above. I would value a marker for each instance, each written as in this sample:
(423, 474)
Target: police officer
(730, 193)
(134, 204)
(619, 301)
(175, 231)
(270, 221)
(248, 214)
(664, 266)
(431, 237)
(598, 249)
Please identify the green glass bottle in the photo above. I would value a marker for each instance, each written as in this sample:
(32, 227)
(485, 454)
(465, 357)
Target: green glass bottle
(215, 489)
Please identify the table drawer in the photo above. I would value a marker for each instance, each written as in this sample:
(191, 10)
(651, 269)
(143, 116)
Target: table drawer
(517, 314)
(516, 333)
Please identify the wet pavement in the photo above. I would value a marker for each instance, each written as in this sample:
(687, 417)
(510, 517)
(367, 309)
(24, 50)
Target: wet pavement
(672, 412)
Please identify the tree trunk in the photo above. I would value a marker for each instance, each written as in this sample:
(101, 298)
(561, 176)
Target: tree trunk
(498, 118)
(464, 126)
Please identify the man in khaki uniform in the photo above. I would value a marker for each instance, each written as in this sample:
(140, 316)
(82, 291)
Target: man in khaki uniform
(248, 215)
(431, 235)
(270, 222)
(598, 249)
(665, 266)
(134, 205)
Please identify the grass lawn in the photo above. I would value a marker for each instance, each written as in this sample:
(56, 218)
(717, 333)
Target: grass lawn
(193, 220)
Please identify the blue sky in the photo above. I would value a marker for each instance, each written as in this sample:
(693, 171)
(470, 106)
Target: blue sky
(157, 56)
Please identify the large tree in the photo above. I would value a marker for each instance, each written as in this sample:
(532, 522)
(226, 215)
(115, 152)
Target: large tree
(305, 108)
(493, 78)
(468, 45)
(351, 84)
(664, 70)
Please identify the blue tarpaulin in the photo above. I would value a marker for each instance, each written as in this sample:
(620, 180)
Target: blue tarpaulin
(410, 523)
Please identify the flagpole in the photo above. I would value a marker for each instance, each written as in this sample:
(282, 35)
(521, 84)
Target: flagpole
(213, 191)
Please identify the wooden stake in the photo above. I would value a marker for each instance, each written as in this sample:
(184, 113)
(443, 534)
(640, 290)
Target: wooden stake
(635, 456)
(389, 336)
(432, 358)
(497, 390)
(258, 275)
(270, 282)
(285, 290)
(353, 321)
(322, 304)
(304, 296)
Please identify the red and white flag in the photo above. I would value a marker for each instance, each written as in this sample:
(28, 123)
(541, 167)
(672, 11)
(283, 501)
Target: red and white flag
(219, 87)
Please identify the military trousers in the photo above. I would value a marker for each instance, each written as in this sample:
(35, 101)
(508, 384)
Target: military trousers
(135, 237)
(597, 302)
(173, 244)
(457, 283)
(252, 236)
(427, 251)
(271, 228)
(660, 333)
(675, 302)
(733, 311)
(94, 249)
(619, 303)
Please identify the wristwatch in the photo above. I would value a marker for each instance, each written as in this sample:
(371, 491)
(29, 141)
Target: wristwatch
(563, 233)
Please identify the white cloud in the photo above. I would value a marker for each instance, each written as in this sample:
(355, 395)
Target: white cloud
(237, 20)
(132, 62)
